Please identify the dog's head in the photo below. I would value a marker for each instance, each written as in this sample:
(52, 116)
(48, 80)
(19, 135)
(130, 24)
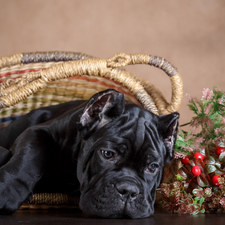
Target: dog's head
(122, 156)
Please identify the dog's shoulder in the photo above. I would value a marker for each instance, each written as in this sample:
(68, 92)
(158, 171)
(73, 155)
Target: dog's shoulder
(35, 117)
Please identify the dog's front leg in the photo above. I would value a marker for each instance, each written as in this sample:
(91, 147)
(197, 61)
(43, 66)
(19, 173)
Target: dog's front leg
(25, 168)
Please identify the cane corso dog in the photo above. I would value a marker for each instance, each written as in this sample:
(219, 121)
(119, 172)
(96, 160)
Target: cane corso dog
(109, 150)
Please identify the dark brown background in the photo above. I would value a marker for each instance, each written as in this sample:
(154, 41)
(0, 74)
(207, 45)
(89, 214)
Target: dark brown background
(188, 33)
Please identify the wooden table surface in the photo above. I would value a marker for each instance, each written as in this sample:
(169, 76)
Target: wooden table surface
(76, 217)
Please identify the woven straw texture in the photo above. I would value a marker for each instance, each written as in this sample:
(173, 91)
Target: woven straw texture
(33, 80)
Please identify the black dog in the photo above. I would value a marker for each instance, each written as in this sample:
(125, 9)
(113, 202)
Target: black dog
(109, 149)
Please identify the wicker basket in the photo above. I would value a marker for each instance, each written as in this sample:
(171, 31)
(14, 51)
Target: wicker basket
(32, 80)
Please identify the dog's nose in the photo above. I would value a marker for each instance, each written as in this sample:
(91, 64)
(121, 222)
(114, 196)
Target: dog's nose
(127, 189)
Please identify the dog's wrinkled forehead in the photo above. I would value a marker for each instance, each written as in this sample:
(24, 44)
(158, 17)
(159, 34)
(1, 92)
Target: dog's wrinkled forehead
(135, 128)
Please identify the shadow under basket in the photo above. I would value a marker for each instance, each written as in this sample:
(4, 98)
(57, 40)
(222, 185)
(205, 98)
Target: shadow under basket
(32, 80)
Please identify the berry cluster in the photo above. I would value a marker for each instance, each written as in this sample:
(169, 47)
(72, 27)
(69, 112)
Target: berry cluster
(199, 166)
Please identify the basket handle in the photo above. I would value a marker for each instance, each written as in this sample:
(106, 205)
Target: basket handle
(13, 91)
(121, 60)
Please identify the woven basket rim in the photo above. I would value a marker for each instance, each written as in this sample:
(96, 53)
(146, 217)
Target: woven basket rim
(151, 98)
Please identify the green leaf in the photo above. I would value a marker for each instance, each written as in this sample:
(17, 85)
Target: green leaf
(195, 212)
(202, 199)
(202, 211)
(202, 181)
(179, 177)
(196, 199)
(202, 151)
(209, 160)
(217, 165)
(210, 168)
(222, 157)
(182, 173)
(180, 143)
(194, 191)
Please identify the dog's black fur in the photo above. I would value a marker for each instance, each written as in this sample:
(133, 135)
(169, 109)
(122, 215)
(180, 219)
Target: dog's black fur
(110, 150)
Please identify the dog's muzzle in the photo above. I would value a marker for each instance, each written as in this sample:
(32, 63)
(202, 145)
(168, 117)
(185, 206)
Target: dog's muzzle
(122, 197)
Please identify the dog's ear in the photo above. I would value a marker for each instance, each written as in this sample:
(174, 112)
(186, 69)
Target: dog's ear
(168, 125)
(102, 108)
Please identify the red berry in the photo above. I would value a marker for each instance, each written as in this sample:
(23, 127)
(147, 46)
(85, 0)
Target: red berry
(215, 180)
(198, 155)
(185, 160)
(219, 149)
(196, 170)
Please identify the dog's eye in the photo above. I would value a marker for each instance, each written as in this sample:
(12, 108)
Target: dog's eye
(107, 154)
(152, 167)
